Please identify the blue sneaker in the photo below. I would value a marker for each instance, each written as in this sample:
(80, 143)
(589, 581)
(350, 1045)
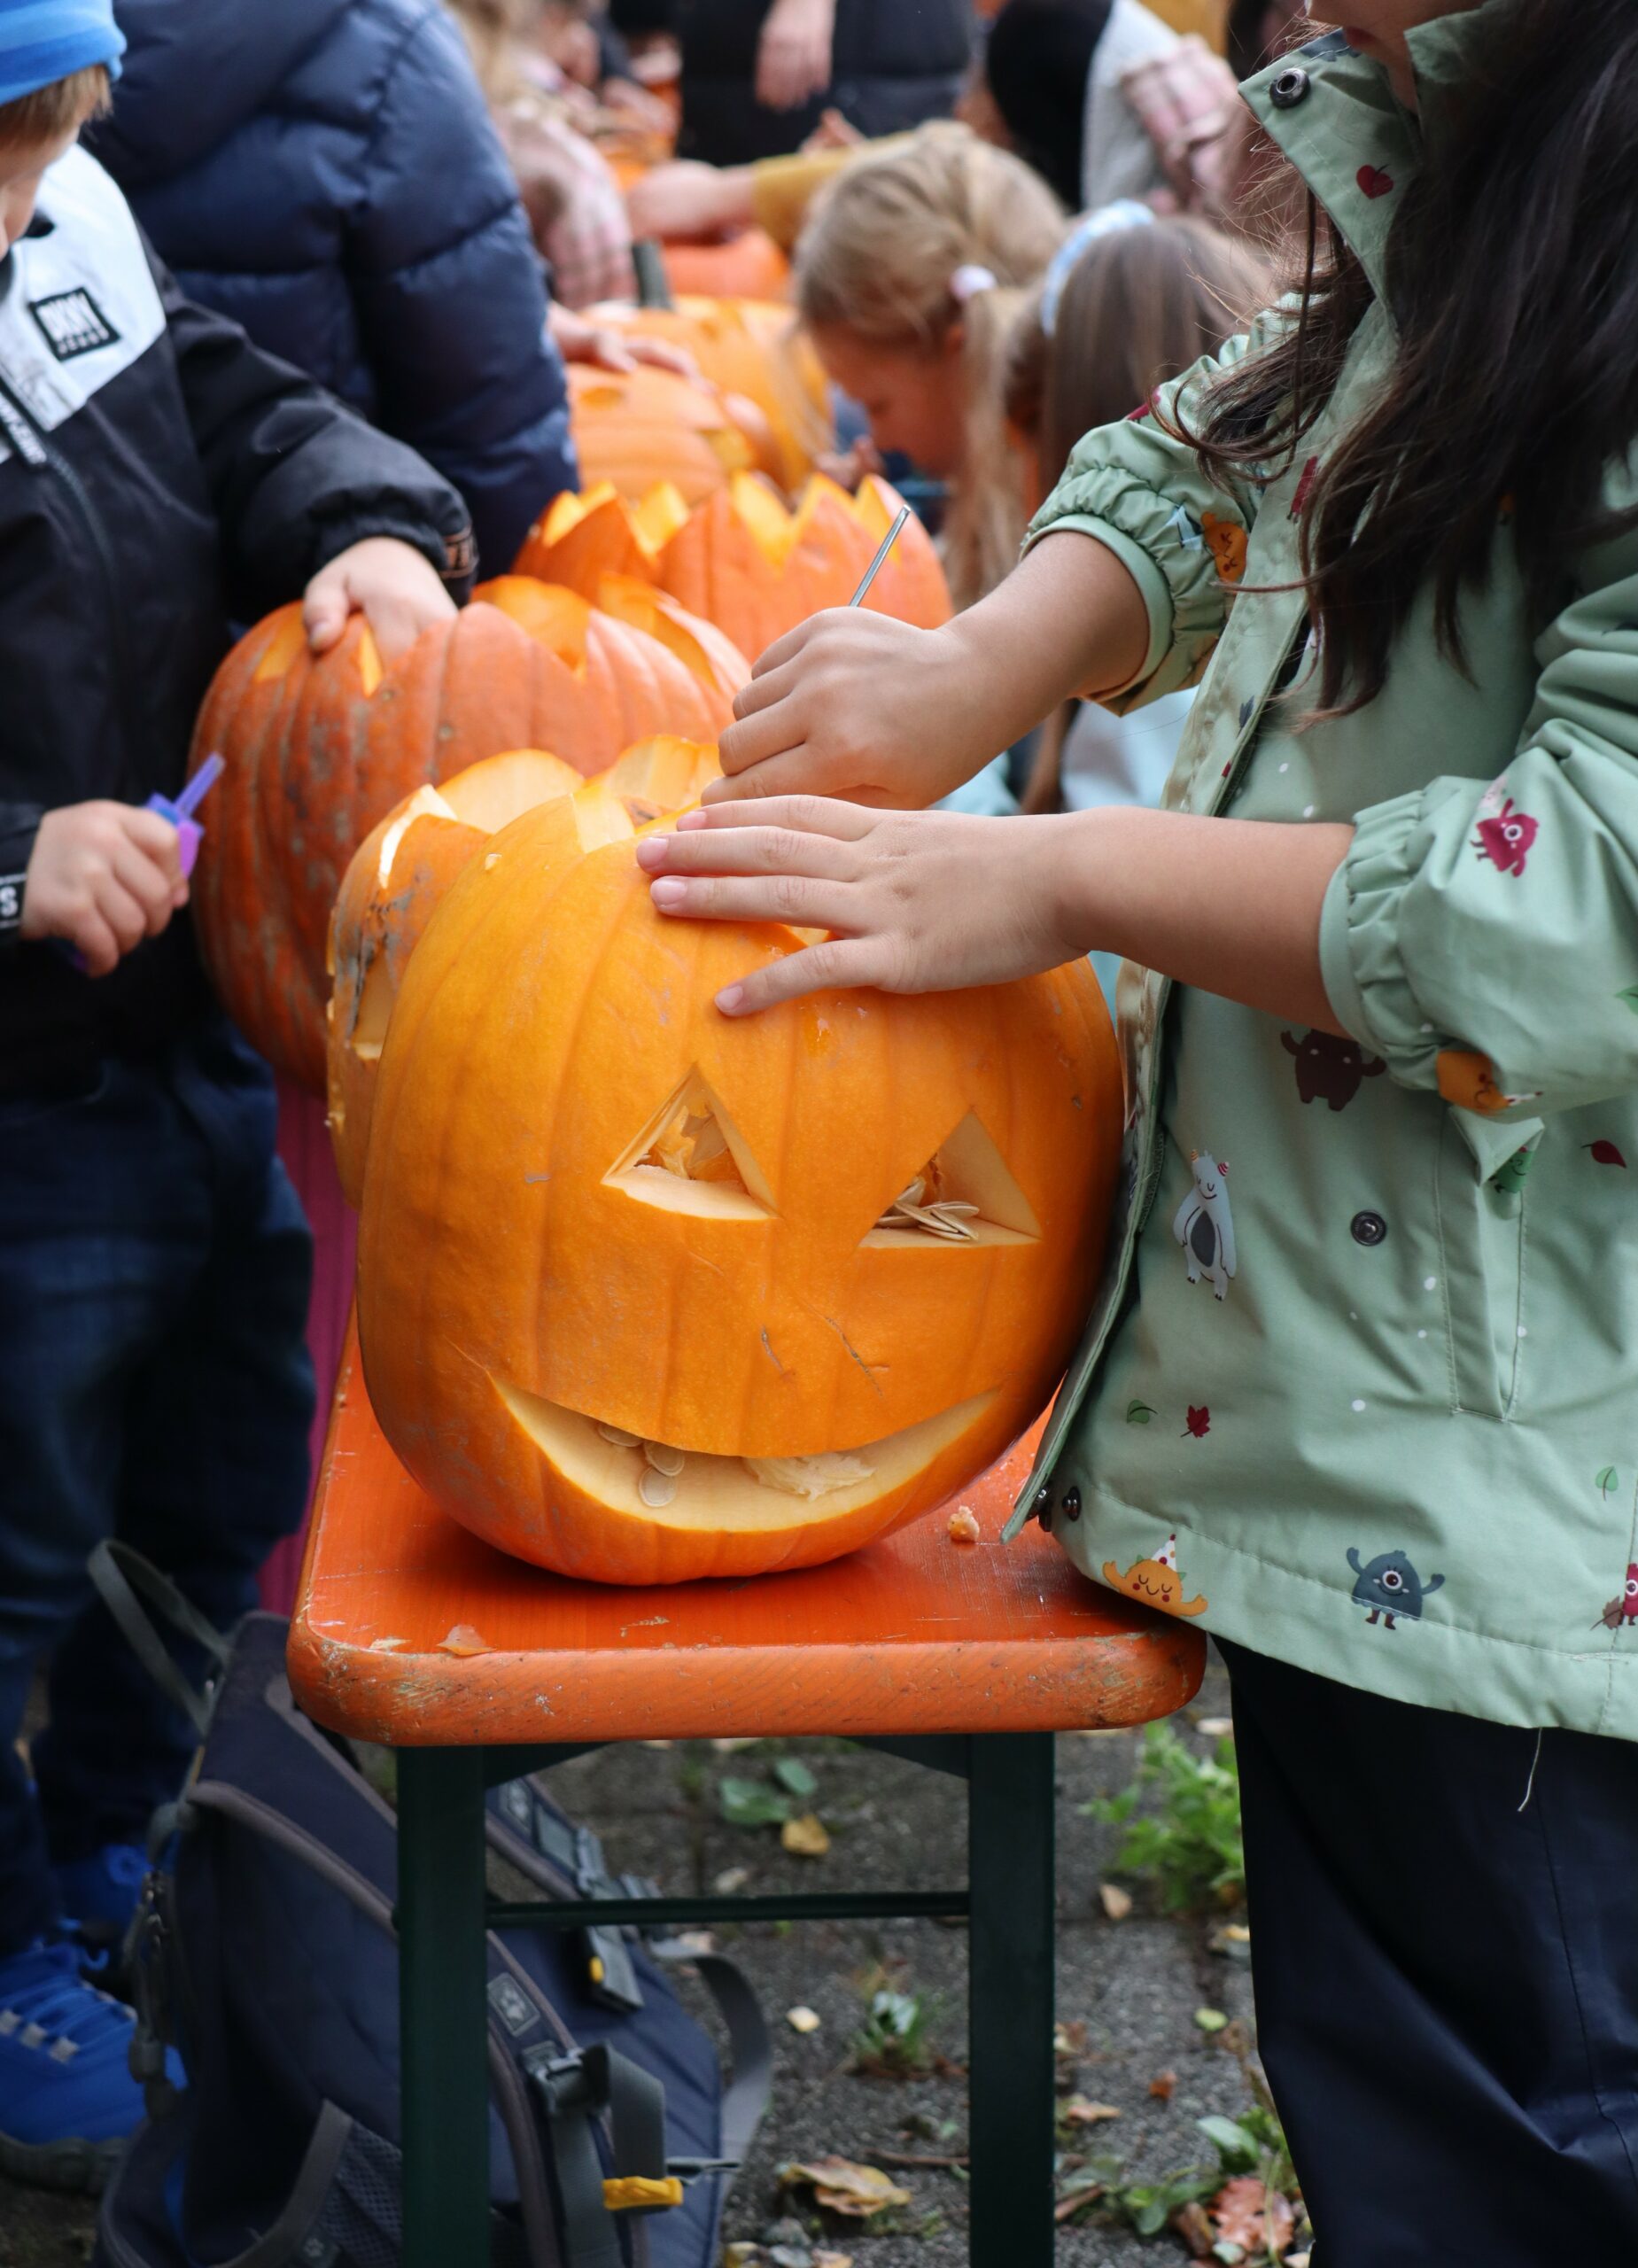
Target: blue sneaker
(67, 2099)
(99, 1894)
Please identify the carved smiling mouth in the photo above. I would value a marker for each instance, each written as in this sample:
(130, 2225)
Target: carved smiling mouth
(681, 1487)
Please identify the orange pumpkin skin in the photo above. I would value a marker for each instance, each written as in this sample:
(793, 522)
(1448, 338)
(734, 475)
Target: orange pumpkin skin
(636, 428)
(757, 570)
(631, 682)
(751, 347)
(319, 748)
(749, 266)
(397, 876)
(560, 1281)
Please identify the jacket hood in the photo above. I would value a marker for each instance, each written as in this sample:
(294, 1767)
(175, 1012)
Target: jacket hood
(194, 71)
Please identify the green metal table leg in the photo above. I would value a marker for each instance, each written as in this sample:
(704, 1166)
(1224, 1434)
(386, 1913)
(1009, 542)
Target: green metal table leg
(1010, 1836)
(443, 2013)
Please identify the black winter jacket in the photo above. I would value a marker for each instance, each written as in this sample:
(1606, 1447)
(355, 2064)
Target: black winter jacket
(894, 64)
(325, 172)
(157, 476)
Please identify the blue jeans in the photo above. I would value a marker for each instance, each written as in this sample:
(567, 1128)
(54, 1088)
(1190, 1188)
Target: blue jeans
(154, 1385)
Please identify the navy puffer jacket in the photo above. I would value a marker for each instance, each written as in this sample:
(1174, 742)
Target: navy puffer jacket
(325, 172)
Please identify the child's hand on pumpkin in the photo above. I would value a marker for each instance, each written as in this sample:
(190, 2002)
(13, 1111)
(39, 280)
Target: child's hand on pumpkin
(855, 704)
(105, 876)
(915, 901)
(394, 586)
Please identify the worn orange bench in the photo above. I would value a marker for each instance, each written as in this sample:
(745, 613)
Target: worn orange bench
(968, 1658)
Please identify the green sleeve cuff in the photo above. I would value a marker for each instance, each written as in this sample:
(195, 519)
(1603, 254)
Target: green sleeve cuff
(1152, 586)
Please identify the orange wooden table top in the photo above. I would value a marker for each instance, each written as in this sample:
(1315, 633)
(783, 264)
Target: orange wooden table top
(914, 1634)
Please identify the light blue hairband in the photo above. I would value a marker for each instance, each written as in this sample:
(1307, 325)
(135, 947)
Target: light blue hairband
(42, 41)
(1107, 221)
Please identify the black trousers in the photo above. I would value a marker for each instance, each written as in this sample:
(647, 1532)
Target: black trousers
(1446, 1975)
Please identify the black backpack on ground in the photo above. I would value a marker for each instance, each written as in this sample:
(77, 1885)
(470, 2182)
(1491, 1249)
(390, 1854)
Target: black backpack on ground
(264, 1951)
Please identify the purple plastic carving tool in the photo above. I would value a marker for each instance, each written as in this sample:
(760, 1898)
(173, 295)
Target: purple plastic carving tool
(180, 813)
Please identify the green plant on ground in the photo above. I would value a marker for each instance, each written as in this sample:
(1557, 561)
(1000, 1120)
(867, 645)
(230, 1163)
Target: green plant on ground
(893, 2042)
(1252, 2145)
(760, 1803)
(1182, 1820)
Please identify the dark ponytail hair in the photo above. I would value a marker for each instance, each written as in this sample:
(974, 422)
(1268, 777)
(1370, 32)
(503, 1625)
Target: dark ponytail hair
(1512, 283)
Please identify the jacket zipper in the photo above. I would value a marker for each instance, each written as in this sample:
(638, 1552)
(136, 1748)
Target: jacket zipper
(28, 438)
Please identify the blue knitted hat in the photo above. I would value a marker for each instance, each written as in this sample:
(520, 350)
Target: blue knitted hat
(42, 41)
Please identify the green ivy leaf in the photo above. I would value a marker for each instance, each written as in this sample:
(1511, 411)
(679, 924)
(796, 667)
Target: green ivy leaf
(1605, 1480)
(747, 1802)
(792, 1773)
(1631, 997)
(1138, 1413)
(1237, 2149)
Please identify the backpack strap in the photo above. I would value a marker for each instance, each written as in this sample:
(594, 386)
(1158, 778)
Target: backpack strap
(119, 1574)
(745, 2098)
(576, 2090)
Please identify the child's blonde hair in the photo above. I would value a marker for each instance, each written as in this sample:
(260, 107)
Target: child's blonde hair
(49, 112)
(879, 257)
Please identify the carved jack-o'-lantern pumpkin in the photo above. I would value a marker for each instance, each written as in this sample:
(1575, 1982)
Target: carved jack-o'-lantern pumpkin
(401, 872)
(646, 1293)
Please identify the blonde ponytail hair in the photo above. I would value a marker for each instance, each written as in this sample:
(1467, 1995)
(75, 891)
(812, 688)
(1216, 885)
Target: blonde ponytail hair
(877, 258)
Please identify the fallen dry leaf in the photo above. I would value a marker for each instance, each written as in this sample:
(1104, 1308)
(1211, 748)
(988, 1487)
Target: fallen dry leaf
(781, 2255)
(1246, 2213)
(803, 2019)
(1163, 2085)
(1067, 2207)
(1194, 2227)
(805, 1836)
(1080, 2112)
(1116, 1902)
(1215, 1727)
(964, 1527)
(729, 1741)
(730, 1879)
(464, 1640)
(1069, 2040)
(844, 2187)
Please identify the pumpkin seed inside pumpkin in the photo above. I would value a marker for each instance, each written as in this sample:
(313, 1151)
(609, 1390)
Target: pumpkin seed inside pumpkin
(657, 1489)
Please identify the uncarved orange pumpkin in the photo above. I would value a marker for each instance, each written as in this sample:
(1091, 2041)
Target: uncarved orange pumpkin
(751, 347)
(749, 266)
(756, 569)
(646, 1293)
(636, 428)
(319, 748)
(400, 872)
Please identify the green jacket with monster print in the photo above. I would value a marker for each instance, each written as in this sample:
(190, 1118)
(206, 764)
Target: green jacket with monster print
(1361, 1388)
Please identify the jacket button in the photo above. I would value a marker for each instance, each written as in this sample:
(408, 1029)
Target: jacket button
(1072, 1504)
(1367, 1228)
(1290, 88)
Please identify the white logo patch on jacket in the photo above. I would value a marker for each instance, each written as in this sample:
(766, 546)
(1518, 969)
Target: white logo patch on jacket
(83, 305)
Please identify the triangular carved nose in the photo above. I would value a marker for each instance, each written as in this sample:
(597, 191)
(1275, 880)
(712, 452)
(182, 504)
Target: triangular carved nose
(691, 1158)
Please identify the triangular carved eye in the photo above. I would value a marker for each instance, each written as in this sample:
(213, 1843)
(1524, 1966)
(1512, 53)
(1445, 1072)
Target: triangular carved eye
(691, 1158)
(963, 1195)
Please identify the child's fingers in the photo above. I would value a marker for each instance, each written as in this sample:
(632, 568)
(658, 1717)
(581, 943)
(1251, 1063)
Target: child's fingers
(158, 842)
(122, 915)
(777, 835)
(799, 900)
(145, 881)
(786, 648)
(324, 615)
(95, 943)
(783, 767)
(837, 965)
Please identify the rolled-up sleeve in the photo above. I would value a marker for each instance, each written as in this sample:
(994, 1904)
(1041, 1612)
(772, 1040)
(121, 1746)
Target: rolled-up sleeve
(1481, 936)
(1140, 489)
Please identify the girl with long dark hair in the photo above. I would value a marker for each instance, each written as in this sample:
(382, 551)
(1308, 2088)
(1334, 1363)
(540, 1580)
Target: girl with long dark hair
(1364, 1346)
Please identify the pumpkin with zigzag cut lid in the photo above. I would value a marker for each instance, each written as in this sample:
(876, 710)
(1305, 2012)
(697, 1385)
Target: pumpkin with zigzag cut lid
(648, 1294)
